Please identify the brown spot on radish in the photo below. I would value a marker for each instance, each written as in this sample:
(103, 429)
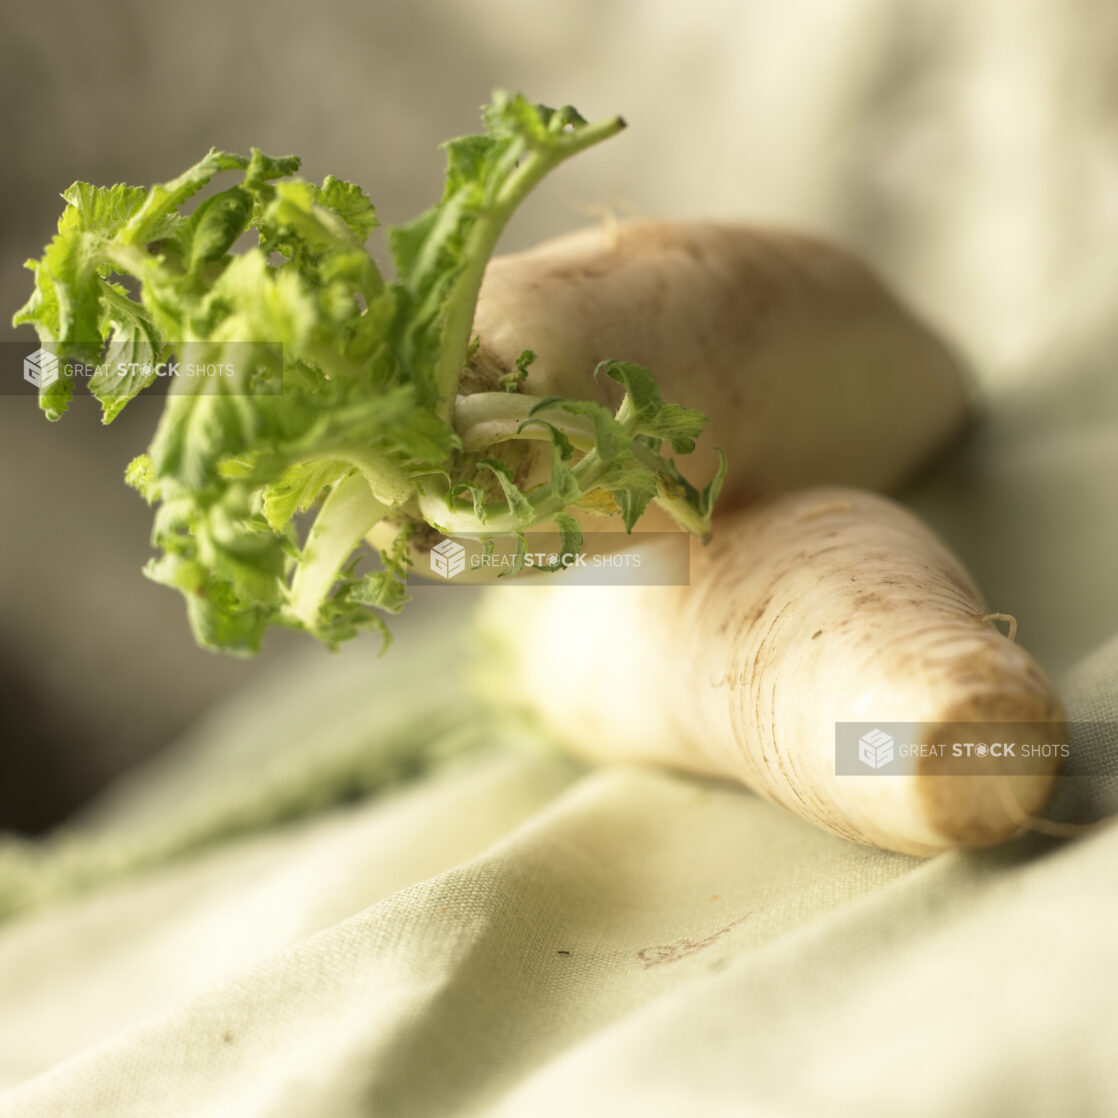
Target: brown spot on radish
(966, 678)
(825, 509)
(759, 610)
(576, 273)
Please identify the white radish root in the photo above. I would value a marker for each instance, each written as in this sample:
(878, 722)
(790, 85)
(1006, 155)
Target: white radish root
(810, 370)
(809, 609)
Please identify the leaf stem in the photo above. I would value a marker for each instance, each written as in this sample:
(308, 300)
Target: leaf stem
(484, 419)
(498, 520)
(348, 513)
(481, 242)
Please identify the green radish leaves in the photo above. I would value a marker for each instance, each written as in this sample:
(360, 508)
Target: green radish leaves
(341, 409)
(594, 453)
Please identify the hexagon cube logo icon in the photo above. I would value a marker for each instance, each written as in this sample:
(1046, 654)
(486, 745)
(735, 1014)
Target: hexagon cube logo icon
(875, 749)
(448, 559)
(40, 368)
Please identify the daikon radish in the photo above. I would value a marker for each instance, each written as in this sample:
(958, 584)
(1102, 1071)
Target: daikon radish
(810, 609)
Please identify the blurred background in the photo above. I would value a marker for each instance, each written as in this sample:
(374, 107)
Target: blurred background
(969, 150)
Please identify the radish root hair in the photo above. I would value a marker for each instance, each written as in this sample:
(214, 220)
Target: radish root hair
(1008, 618)
(1029, 821)
(604, 212)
